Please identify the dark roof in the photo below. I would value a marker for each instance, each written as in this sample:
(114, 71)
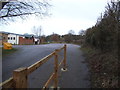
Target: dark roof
(28, 35)
(8, 33)
(25, 35)
(4, 32)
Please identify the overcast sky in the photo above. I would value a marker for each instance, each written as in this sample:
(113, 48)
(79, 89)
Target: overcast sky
(66, 15)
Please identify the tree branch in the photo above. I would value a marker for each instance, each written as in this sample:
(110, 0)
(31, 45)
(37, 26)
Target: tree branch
(14, 9)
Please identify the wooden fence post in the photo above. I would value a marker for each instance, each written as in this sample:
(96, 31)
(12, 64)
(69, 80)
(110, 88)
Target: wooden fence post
(65, 52)
(20, 78)
(56, 70)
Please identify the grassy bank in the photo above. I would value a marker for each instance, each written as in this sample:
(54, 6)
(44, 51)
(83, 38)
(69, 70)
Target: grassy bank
(6, 52)
(103, 68)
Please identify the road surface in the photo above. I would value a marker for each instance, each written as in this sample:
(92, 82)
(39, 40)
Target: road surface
(77, 75)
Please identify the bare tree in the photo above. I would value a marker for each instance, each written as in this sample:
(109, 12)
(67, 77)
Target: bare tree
(37, 31)
(81, 32)
(72, 32)
(24, 8)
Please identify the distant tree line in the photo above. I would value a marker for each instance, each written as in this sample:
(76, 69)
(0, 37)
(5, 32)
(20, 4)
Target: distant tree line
(71, 37)
(105, 34)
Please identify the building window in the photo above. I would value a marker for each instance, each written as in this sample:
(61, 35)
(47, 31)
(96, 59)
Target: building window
(13, 38)
(8, 38)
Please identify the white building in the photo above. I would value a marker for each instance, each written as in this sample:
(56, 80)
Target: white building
(13, 38)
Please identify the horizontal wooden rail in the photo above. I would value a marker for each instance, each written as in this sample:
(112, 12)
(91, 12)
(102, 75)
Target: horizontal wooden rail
(53, 76)
(39, 63)
(60, 49)
(19, 79)
(8, 83)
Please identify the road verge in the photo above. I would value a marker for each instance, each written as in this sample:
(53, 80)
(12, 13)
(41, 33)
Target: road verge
(103, 68)
(6, 52)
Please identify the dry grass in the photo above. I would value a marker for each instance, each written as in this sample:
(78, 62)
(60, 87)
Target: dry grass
(103, 68)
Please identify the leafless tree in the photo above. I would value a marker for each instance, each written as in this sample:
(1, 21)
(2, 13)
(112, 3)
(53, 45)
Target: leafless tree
(81, 32)
(37, 31)
(23, 8)
(72, 32)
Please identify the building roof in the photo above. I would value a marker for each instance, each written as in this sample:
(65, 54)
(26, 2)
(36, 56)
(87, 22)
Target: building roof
(4, 32)
(25, 35)
(28, 35)
(8, 33)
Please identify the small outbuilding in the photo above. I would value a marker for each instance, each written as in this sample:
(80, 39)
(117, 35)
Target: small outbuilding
(13, 38)
(26, 39)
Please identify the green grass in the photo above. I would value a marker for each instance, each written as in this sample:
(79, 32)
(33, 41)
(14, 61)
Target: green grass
(6, 52)
(45, 43)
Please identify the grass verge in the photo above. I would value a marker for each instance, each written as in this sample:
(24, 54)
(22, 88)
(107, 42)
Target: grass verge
(103, 68)
(6, 52)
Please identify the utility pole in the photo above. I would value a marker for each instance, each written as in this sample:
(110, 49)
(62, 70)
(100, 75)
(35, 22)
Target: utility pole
(39, 32)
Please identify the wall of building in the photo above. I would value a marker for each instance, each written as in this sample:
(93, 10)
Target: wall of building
(3, 38)
(23, 40)
(13, 39)
(0, 38)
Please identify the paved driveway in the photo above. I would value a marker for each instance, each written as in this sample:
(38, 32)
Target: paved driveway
(77, 75)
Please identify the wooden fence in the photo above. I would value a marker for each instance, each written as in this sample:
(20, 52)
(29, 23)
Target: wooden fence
(20, 76)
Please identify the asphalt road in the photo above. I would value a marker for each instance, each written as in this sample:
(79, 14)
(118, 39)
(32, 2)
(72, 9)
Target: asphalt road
(77, 75)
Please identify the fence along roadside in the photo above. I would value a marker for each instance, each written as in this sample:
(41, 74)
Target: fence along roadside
(19, 79)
